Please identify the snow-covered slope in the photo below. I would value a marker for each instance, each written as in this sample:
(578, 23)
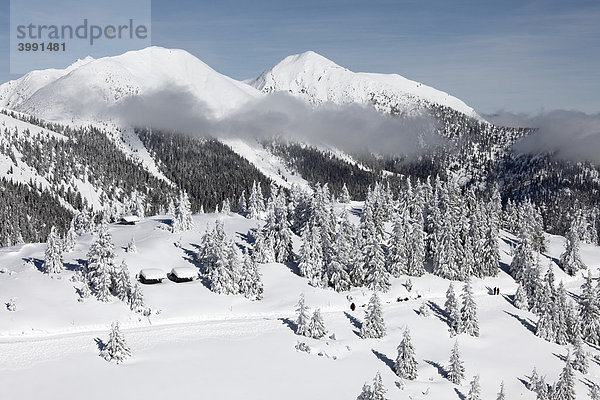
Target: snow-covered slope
(196, 343)
(86, 91)
(317, 80)
(14, 93)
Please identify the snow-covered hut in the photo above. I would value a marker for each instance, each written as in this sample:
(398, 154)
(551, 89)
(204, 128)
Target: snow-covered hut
(151, 275)
(183, 274)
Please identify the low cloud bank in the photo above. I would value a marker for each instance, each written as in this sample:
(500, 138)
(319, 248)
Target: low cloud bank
(351, 128)
(571, 135)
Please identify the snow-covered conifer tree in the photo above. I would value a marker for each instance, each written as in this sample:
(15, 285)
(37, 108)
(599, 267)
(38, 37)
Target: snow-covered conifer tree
(424, 310)
(398, 252)
(70, 238)
(224, 277)
(580, 357)
(136, 298)
(101, 264)
(377, 277)
(256, 204)
(131, 247)
(570, 260)
(366, 393)
(250, 282)
(226, 207)
(374, 325)
(545, 327)
(182, 220)
(501, 394)
(468, 312)
(534, 380)
(378, 392)
(344, 195)
(316, 326)
(564, 389)
(474, 389)
(594, 392)
(242, 205)
(456, 369)
(406, 363)
(589, 311)
(122, 282)
(416, 253)
(452, 309)
(521, 301)
(311, 256)
(263, 247)
(337, 276)
(523, 256)
(53, 262)
(303, 319)
(115, 349)
(444, 261)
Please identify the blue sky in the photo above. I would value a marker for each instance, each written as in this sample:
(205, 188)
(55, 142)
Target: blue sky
(520, 56)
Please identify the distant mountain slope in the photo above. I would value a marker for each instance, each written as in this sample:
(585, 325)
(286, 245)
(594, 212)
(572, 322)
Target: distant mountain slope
(14, 93)
(88, 89)
(317, 80)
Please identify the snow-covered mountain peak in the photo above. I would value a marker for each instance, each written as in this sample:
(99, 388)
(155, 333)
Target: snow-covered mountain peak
(319, 80)
(90, 86)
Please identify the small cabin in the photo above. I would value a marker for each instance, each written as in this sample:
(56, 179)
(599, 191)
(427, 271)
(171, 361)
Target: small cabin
(151, 275)
(129, 220)
(183, 274)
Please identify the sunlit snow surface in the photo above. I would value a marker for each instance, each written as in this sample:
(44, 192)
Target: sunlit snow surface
(198, 344)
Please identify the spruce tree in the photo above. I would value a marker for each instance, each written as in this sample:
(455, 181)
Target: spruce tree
(136, 298)
(115, 349)
(250, 284)
(182, 220)
(580, 357)
(565, 387)
(424, 310)
(456, 370)
(594, 392)
(224, 277)
(101, 265)
(398, 251)
(523, 256)
(416, 254)
(316, 326)
(337, 276)
(241, 205)
(534, 380)
(474, 389)
(570, 260)
(377, 278)
(122, 282)
(366, 393)
(501, 394)
(70, 238)
(470, 325)
(374, 325)
(453, 314)
(131, 247)
(521, 301)
(311, 256)
(53, 262)
(378, 392)
(406, 363)
(302, 319)
(545, 327)
(589, 311)
(344, 195)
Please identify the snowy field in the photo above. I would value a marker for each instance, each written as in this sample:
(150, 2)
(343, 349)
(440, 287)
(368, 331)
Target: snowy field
(201, 345)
